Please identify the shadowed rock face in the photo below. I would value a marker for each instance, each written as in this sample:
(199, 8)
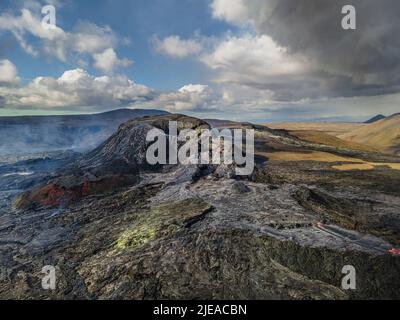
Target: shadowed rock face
(125, 151)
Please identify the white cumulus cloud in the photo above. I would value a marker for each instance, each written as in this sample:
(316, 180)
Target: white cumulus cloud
(234, 11)
(108, 60)
(86, 39)
(253, 57)
(260, 63)
(191, 97)
(8, 72)
(76, 89)
(176, 47)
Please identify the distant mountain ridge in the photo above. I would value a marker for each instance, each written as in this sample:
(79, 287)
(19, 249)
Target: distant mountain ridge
(108, 115)
(375, 119)
(25, 134)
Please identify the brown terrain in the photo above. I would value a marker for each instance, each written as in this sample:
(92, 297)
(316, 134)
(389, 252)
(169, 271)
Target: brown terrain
(383, 135)
(332, 128)
(116, 228)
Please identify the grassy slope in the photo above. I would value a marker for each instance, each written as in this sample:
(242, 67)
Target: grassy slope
(383, 135)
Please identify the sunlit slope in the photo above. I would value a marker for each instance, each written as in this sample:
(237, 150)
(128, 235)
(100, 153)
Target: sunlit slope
(326, 139)
(383, 135)
(331, 128)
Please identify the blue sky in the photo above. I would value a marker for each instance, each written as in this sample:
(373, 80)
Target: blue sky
(139, 21)
(257, 60)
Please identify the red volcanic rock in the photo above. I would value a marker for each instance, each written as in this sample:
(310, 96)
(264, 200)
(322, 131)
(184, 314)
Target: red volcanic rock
(50, 195)
(395, 252)
(55, 195)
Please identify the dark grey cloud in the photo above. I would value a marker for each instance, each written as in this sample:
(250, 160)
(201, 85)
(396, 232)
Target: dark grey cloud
(365, 61)
(2, 101)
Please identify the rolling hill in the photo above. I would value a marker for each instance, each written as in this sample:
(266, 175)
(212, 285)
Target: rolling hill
(330, 140)
(375, 119)
(383, 135)
(331, 128)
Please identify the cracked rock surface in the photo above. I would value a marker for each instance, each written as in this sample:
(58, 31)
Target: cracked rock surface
(190, 232)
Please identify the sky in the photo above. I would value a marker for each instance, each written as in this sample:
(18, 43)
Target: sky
(249, 60)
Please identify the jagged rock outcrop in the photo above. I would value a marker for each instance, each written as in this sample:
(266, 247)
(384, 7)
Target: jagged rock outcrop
(125, 151)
